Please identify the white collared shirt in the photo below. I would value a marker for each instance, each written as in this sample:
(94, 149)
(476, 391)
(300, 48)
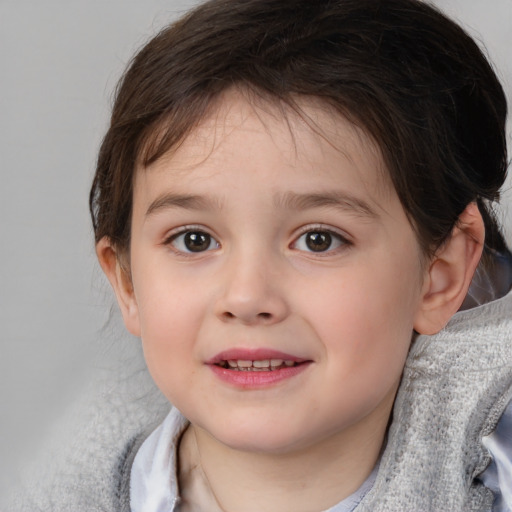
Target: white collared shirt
(154, 481)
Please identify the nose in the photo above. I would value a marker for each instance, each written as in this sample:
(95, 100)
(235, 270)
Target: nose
(253, 292)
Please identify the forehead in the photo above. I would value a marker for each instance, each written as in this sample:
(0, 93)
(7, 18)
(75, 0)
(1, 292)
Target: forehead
(242, 135)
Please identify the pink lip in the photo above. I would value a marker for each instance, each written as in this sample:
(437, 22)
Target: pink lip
(256, 379)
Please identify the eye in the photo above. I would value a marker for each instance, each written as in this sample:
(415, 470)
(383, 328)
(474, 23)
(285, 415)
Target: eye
(319, 240)
(193, 241)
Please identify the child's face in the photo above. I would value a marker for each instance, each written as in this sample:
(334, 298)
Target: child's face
(262, 239)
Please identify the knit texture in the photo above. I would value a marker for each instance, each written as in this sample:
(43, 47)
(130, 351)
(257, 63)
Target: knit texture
(454, 389)
(81, 467)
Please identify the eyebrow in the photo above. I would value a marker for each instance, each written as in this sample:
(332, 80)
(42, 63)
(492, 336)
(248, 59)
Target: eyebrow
(288, 200)
(336, 199)
(189, 202)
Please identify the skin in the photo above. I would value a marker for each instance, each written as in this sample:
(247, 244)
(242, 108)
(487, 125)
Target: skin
(260, 183)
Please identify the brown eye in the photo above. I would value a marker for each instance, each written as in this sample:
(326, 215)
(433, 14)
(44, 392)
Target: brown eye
(318, 241)
(193, 241)
(197, 241)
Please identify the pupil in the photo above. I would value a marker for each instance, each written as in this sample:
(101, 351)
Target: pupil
(195, 241)
(318, 241)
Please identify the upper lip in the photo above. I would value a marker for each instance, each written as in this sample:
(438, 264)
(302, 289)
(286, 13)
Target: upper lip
(255, 354)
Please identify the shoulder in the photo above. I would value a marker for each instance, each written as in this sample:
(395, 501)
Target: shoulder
(84, 466)
(455, 388)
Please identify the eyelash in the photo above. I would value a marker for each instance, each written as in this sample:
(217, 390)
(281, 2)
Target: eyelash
(327, 236)
(190, 230)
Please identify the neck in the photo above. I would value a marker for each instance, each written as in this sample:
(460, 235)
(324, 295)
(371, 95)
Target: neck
(307, 479)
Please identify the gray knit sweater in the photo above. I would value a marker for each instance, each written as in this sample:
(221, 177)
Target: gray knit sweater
(454, 389)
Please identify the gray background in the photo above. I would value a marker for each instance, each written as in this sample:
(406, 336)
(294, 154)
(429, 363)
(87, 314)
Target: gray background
(59, 62)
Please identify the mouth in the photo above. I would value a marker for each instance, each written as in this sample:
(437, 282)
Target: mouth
(256, 368)
(259, 365)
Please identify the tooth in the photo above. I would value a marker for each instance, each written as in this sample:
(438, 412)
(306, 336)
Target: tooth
(265, 363)
(289, 363)
(232, 364)
(243, 364)
(276, 362)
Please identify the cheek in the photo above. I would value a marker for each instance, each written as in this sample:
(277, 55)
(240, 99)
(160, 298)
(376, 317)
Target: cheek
(367, 304)
(169, 320)
(366, 321)
(169, 300)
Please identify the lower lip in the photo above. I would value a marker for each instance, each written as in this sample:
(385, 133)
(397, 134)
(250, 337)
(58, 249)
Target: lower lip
(253, 380)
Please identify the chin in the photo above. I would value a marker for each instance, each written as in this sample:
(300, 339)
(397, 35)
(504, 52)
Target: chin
(271, 437)
(260, 443)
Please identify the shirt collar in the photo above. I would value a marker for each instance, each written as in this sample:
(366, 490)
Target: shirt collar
(153, 478)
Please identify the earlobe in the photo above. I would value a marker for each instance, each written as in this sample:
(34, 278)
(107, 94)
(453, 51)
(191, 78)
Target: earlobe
(121, 282)
(450, 272)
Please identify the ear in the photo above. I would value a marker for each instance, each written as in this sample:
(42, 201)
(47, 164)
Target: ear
(450, 272)
(119, 277)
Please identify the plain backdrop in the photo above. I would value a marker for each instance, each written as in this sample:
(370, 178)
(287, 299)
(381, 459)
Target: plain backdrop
(59, 63)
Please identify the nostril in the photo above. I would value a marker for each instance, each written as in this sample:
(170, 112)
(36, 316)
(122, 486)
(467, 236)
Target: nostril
(227, 315)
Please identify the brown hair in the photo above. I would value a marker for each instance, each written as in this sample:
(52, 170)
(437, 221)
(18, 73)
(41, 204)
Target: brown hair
(410, 77)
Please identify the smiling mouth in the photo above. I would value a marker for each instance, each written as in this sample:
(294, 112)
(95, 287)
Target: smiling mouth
(264, 365)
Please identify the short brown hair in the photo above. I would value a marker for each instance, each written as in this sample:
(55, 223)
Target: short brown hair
(402, 71)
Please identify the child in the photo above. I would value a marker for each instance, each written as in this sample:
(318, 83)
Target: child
(287, 192)
(290, 203)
